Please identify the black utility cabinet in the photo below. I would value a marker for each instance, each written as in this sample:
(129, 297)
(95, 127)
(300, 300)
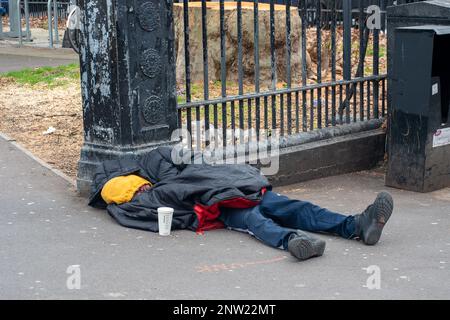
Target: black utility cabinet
(419, 122)
(418, 95)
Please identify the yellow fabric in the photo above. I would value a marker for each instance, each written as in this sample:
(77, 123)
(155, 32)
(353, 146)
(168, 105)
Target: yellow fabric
(121, 189)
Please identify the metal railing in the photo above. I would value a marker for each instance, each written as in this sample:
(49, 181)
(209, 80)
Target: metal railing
(353, 91)
(53, 13)
(27, 21)
(38, 9)
(55, 22)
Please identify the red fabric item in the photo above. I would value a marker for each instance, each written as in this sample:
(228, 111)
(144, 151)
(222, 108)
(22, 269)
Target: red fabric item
(207, 215)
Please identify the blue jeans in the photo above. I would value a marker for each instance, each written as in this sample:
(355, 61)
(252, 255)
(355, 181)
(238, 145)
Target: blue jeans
(277, 217)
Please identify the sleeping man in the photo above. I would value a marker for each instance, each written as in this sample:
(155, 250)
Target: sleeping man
(237, 196)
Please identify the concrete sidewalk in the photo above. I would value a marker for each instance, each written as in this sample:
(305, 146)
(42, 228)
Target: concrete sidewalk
(13, 58)
(45, 228)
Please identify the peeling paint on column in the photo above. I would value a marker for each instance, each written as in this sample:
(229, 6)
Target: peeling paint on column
(105, 133)
(99, 44)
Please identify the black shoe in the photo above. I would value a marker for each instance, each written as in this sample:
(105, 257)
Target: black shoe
(304, 247)
(370, 223)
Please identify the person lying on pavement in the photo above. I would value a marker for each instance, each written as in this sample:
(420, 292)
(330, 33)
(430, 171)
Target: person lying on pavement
(236, 196)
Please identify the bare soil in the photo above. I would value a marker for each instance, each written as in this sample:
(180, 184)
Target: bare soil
(26, 112)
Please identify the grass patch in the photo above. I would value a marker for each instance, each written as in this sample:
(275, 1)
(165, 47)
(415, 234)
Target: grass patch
(52, 76)
(381, 51)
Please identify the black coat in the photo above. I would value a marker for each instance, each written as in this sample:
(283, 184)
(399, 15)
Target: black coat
(177, 186)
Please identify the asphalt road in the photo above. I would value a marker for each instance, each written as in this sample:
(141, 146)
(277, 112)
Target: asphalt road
(45, 228)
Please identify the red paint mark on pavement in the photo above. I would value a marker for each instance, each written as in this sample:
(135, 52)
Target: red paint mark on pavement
(236, 265)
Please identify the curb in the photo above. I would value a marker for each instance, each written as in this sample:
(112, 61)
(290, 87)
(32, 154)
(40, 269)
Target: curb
(38, 160)
(41, 52)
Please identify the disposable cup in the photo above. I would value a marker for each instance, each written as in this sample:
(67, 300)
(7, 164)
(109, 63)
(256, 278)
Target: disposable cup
(165, 215)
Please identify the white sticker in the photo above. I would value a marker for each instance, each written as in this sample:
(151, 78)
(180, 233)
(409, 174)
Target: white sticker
(434, 89)
(441, 137)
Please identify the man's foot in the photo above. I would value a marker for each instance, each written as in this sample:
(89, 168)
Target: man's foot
(304, 247)
(370, 223)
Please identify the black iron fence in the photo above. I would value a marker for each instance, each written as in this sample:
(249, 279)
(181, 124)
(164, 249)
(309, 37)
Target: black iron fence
(314, 74)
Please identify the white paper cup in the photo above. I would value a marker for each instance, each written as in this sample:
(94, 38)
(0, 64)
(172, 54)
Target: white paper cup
(165, 215)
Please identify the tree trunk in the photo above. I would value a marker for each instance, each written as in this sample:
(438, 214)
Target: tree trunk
(231, 40)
